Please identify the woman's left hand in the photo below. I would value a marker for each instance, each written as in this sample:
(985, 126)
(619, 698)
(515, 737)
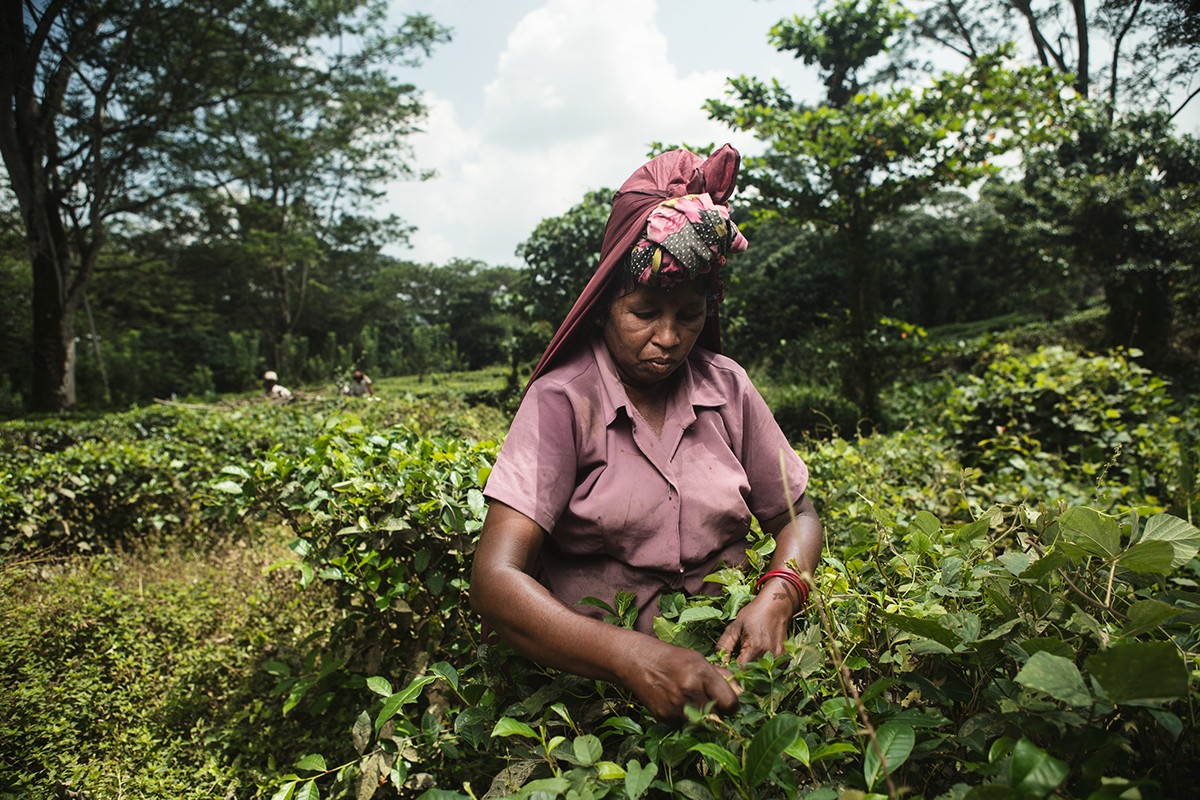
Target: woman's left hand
(762, 624)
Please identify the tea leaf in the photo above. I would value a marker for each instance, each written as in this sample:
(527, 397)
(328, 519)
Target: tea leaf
(1148, 557)
(1146, 615)
(1035, 771)
(511, 727)
(379, 686)
(768, 744)
(588, 749)
(400, 699)
(1140, 671)
(1056, 676)
(313, 763)
(1183, 537)
(726, 759)
(925, 627)
(896, 740)
(639, 778)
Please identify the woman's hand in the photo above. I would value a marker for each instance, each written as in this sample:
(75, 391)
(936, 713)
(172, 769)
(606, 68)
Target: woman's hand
(667, 678)
(762, 624)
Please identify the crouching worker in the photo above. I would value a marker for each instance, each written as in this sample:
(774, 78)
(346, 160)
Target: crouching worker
(638, 456)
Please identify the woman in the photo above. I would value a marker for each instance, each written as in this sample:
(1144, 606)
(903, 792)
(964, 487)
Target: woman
(637, 458)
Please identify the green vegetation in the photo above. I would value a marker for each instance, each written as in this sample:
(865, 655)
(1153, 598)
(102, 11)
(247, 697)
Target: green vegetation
(1007, 608)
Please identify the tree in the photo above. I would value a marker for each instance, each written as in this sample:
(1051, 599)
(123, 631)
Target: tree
(861, 155)
(108, 104)
(1113, 202)
(561, 256)
(1135, 53)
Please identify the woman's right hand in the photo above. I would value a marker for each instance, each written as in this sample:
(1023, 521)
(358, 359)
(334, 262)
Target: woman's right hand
(667, 678)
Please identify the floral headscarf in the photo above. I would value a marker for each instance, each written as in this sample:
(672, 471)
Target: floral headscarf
(685, 237)
(671, 176)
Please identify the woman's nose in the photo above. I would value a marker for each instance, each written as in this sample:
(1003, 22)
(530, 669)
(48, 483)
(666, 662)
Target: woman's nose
(667, 333)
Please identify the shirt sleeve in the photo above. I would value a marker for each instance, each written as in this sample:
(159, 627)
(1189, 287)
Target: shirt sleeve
(535, 472)
(763, 441)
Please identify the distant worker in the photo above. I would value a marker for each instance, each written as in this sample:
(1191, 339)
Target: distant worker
(360, 385)
(272, 387)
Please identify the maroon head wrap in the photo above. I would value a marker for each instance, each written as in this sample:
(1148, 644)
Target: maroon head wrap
(672, 174)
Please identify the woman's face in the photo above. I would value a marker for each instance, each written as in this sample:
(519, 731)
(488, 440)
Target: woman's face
(650, 332)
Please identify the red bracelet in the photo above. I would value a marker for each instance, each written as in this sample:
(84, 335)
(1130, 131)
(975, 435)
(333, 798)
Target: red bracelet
(791, 577)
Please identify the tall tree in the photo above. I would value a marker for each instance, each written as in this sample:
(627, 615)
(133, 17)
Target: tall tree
(1131, 54)
(107, 103)
(860, 155)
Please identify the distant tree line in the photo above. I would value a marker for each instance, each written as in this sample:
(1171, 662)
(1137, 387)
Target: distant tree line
(239, 238)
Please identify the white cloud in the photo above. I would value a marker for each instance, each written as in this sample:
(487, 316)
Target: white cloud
(578, 93)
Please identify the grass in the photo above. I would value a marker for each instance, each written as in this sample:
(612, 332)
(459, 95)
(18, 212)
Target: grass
(138, 673)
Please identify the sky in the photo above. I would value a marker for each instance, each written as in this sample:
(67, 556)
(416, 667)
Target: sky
(536, 102)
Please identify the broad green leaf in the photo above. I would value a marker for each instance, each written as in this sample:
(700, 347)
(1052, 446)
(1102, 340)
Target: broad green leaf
(896, 740)
(1034, 771)
(1045, 565)
(278, 668)
(285, 792)
(588, 749)
(609, 771)
(561, 710)
(666, 630)
(1140, 671)
(726, 759)
(442, 794)
(692, 790)
(1146, 615)
(1057, 677)
(799, 751)
(623, 724)
(696, 613)
(837, 748)
(1092, 532)
(925, 627)
(1184, 537)
(229, 487)
(1172, 723)
(512, 727)
(780, 732)
(639, 778)
(400, 699)
(1148, 557)
(927, 523)
(445, 671)
(380, 686)
(309, 791)
(313, 762)
(1016, 563)
(1055, 647)
(552, 786)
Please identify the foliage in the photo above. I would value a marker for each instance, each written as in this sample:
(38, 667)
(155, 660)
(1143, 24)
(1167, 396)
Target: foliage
(140, 673)
(861, 156)
(562, 254)
(1109, 203)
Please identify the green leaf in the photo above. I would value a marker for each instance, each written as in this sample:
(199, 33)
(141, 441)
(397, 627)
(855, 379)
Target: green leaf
(1146, 615)
(379, 686)
(697, 613)
(896, 740)
(925, 627)
(442, 794)
(313, 762)
(799, 751)
(609, 771)
(229, 487)
(726, 759)
(446, 672)
(1140, 671)
(309, 791)
(927, 523)
(1183, 537)
(780, 732)
(278, 668)
(1092, 532)
(692, 790)
(1045, 565)
(1056, 676)
(1148, 557)
(837, 748)
(1034, 771)
(666, 630)
(400, 699)
(638, 778)
(588, 749)
(285, 792)
(511, 727)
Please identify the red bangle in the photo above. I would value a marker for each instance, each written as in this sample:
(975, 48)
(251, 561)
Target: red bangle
(791, 577)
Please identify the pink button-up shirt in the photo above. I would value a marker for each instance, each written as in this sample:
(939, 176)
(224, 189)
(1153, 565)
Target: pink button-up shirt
(630, 511)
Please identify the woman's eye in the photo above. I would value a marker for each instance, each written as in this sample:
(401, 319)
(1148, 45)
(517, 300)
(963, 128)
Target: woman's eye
(647, 315)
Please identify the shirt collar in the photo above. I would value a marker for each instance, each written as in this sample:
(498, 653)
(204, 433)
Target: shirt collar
(697, 391)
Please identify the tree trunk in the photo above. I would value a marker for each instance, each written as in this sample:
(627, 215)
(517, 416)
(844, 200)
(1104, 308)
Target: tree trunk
(53, 333)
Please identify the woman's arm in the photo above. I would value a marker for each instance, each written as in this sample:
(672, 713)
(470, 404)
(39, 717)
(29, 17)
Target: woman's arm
(762, 624)
(541, 627)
